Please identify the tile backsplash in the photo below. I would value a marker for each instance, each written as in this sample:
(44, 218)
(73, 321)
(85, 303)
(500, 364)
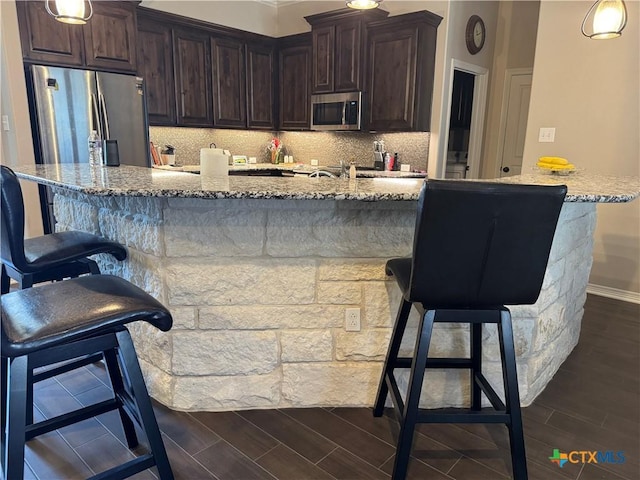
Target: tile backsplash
(326, 147)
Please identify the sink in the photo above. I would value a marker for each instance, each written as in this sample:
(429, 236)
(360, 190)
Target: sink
(321, 173)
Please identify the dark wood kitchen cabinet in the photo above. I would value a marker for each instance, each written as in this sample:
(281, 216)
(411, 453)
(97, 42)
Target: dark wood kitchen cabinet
(229, 87)
(106, 42)
(338, 39)
(294, 69)
(243, 84)
(261, 86)
(192, 54)
(323, 58)
(155, 66)
(401, 58)
(110, 36)
(46, 40)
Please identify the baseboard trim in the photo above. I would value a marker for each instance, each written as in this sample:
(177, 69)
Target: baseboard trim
(624, 295)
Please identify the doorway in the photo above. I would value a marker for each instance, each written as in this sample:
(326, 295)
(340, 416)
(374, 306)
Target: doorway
(459, 124)
(465, 122)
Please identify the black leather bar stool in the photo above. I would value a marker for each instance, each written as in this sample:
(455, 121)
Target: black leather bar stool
(43, 259)
(478, 246)
(70, 319)
(46, 258)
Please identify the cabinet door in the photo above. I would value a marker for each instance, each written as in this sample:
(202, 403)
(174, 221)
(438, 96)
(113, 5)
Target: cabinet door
(110, 37)
(401, 68)
(323, 39)
(348, 56)
(260, 87)
(46, 40)
(193, 78)
(392, 67)
(155, 66)
(229, 88)
(295, 88)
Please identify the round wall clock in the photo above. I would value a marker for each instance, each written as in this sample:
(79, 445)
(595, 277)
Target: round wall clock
(475, 34)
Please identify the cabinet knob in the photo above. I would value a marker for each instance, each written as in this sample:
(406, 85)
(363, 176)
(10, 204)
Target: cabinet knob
(505, 169)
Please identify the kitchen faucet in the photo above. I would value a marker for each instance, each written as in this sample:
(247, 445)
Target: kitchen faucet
(343, 169)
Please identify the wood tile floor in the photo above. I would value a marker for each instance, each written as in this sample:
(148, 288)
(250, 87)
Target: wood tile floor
(592, 403)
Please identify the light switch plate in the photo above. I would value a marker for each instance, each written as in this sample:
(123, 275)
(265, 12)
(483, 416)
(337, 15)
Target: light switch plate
(547, 135)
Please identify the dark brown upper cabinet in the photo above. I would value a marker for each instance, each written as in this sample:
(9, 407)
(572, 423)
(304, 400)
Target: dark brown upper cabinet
(192, 67)
(106, 42)
(261, 86)
(46, 40)
(338, 40)
(110, 36)
(229, 87)
(294, 73)
(155, 66)
(401, 58)
(324, 39)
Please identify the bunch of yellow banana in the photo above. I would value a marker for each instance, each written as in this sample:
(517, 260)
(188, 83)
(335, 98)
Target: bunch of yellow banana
(555, 164)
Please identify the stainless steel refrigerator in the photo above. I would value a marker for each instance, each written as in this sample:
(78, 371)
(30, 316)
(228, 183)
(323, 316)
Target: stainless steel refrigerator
(66, 104)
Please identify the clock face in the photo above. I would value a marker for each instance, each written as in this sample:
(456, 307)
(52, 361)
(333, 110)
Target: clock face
(478, 37)
(475, 34)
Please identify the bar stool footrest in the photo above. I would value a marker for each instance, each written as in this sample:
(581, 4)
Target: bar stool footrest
(126, 470)
(462, 415)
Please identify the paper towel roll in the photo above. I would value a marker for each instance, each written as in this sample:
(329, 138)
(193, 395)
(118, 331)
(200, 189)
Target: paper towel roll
(213, 163)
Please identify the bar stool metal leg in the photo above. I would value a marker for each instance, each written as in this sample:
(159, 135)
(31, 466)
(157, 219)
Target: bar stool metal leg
(416, 378)
(512, 397)
(5, 284)
(16, 418)
(392, 356)
(111, 362)
(133, 374)
(475, 331)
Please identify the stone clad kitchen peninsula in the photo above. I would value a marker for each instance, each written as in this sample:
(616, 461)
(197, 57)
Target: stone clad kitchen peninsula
(258, 272)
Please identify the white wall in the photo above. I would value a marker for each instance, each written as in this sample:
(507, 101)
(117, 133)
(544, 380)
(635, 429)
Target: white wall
(515, 48)
(455, 49)
(589, 90)
(17, 145)
(246, 15)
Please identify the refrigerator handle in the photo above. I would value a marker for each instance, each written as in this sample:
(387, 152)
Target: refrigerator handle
(105, 117)
(96, 121)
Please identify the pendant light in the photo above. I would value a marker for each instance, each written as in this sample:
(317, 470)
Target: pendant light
(607, 18)
(364, 4)
(70, 11)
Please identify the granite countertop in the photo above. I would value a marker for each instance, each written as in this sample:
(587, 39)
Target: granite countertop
(146, 182)
(298, 168)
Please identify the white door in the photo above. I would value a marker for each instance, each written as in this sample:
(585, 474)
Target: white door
(515, 124)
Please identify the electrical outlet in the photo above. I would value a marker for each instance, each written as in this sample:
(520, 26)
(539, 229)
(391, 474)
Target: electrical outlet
(352, 319)
(314, 162)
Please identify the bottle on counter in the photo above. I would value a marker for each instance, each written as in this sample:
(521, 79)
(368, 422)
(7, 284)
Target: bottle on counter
(352, 171)
(396, 162)
(95, 149)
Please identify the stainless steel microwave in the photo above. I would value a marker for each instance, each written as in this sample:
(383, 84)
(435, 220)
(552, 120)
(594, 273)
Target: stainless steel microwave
(336, 111)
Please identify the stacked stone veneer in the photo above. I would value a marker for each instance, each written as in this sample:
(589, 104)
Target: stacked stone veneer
(258, 290)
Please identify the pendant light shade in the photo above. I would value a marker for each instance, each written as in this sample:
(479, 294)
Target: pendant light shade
(70, 11)
(607, 19)
(363, 4)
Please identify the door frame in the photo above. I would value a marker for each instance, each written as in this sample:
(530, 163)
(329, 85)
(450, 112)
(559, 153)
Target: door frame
(480, 87)
(502, 129)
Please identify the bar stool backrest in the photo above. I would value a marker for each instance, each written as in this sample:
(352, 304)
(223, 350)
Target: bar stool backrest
(12, 217)
(482, 244)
